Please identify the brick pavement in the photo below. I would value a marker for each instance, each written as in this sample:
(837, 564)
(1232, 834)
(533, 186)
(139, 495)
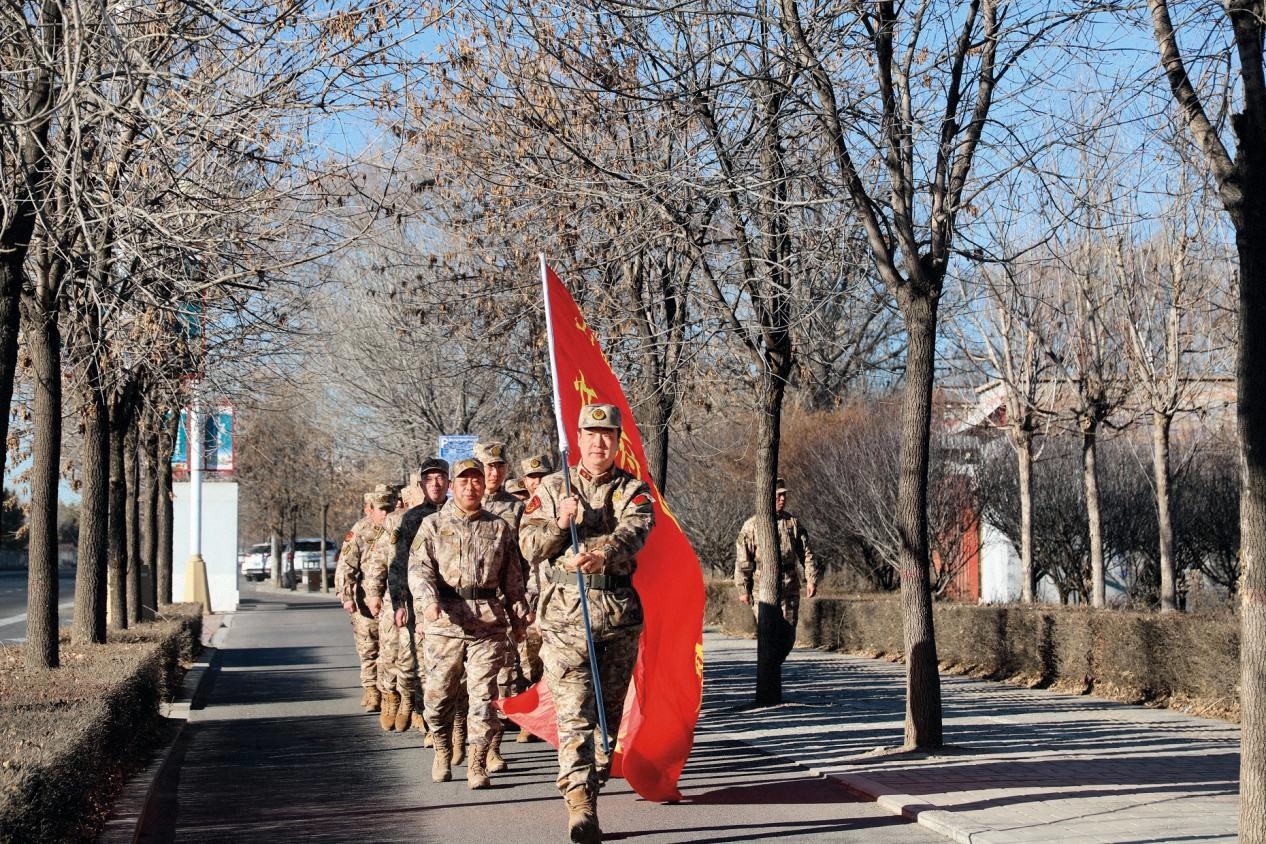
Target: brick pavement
(1020, 765)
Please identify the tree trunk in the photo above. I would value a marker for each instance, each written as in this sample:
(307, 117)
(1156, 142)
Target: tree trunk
(773, 640)
(117, 531)
(94, 513)
(166, 511)
(325, 530)
(1024, 461)
(290, 555)
(44, 345)
(1094, 519)
(148, 503)
(10, 312)
(132, 520)
(1160, 469)
(657, 412)
(1251, 412)
(923, 682)
(31, 128)
(275, 538)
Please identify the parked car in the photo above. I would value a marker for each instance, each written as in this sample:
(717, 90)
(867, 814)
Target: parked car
(307, 557)
(257, 565)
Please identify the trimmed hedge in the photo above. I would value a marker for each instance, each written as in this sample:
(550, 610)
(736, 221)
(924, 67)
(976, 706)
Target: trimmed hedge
(64, 732)
(1185, 661)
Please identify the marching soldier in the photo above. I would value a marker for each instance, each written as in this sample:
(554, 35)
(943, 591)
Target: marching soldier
(434, 481)
(515, 487)
(613, 514)
(467, 586)
(793, 552)
(348, 585)
(532, 469)
(499, 502)
(397, 651)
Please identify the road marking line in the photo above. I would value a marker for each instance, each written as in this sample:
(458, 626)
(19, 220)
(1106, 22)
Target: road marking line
(14, 619)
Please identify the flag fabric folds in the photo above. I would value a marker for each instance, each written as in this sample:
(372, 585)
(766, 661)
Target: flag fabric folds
(662, 706)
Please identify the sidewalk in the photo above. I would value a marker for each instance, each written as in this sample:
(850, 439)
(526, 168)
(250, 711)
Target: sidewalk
(277, 749)
(1020, 766)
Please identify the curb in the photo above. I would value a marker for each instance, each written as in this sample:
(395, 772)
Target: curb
(907, 806)
(137, 805)
(914, 809)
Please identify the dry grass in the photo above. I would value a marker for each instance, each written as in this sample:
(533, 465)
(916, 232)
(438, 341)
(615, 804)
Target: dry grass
(64, 731)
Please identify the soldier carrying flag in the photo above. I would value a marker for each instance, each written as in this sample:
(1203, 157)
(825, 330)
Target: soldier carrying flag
(620, 587)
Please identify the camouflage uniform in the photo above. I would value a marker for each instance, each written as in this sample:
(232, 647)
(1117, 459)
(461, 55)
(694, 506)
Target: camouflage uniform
(349, 586)
(398, 652)
(509, 509)
(615, 515)
(468, 565)
(793, 550)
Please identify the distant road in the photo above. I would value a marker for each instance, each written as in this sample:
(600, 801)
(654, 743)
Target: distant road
(13, 603)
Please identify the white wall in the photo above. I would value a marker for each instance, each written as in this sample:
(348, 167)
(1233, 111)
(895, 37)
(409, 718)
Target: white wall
(999, 567)
(219, 542)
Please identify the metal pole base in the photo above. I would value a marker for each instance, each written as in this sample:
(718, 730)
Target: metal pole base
(197, 589)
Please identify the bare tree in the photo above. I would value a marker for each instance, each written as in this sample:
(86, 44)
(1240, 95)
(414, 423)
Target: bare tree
(1240, 186)
(911, 235)
(1004, 347)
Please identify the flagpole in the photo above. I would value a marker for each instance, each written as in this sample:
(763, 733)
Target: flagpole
(575, 539)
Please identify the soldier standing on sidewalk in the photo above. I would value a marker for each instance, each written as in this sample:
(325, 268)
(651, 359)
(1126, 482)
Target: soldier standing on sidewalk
(467, 586)
(793, 553)
(614, 514)
(348, 585)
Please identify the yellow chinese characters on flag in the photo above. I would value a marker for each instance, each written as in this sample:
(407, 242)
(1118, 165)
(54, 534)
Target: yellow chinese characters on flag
(657, 730)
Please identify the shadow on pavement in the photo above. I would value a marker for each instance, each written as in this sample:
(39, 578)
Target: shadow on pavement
(837, 710)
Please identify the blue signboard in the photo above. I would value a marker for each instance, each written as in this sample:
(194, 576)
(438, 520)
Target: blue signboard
(217, 441)
(180, 457)
(454, 447)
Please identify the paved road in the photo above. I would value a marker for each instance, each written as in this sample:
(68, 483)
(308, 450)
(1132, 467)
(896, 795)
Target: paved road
(13, 603)
(278, 751)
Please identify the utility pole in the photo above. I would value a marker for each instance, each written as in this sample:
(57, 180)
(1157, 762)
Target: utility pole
(196, 587)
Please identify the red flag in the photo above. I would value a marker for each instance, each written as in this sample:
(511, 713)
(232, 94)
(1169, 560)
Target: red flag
(657, 730)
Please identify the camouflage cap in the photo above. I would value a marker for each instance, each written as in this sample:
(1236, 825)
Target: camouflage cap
(599, 416)
(490, 452)
(470, 464)
(514, 486)
(537, 464)
(431, 464)
(383, 497)
(780, 486)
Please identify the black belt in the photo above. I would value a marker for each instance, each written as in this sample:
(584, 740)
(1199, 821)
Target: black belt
(603, 582)
(468, 593)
